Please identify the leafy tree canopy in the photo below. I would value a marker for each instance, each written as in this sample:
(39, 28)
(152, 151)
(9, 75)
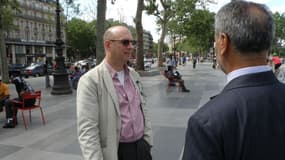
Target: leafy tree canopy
(7, 11)
(279, 40)
(81, 38)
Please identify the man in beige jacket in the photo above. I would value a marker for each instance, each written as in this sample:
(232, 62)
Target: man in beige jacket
(113, 123)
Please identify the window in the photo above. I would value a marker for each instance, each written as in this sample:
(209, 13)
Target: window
(43, 36)
(27, 35)
(19, 49)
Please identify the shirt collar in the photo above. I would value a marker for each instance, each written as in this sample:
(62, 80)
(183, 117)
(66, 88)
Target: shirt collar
(113, 72)
(247, 70)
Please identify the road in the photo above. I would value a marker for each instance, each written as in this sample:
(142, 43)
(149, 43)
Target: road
(169, 111)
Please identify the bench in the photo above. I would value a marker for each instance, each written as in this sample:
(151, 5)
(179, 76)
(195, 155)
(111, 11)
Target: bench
(171, 81)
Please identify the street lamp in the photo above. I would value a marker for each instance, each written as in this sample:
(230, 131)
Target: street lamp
(47, 74)
(61, 82)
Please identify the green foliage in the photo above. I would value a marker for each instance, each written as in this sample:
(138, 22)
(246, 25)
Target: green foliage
(155, 47)
(279, 40)
(197, 29)
(81, 38)
(163, 13)
(194, 24)
(7, 11)
(151, 8)
(202, 28)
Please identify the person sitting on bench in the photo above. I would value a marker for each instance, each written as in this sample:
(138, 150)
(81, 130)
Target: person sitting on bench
(176, 77)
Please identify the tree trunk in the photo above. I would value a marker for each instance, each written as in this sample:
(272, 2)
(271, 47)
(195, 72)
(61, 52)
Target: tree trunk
(100, 29)
(3, 61)
(160, 44)
(139, 31)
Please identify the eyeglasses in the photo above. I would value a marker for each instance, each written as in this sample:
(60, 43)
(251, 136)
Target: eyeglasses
(126, 42)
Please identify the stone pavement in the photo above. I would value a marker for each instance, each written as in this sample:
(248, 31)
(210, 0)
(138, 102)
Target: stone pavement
(57, 140)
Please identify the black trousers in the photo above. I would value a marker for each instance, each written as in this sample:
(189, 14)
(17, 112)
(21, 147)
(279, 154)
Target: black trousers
(138, 150)
(3, 102)
(9, 106)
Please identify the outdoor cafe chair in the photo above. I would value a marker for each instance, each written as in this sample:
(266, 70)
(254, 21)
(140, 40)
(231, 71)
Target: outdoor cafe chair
(25, 97)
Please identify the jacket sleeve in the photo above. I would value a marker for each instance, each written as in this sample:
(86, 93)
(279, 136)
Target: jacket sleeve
(201, 142)
(147, 124)
(88, 119)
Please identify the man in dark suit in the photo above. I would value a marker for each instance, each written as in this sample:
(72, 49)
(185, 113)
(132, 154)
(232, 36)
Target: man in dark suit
(246, 121)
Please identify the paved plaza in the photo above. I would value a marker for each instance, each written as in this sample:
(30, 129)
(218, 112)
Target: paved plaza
(57, 140)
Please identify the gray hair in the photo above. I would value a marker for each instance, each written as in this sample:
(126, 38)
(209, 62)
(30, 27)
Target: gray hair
(249, 26)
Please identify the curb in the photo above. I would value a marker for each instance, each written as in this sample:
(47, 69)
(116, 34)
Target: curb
(152, 72)
(149, 73)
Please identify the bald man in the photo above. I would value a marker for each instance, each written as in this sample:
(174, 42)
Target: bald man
(112, 118)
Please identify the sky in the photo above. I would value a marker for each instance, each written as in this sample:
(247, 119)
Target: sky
(125, 10)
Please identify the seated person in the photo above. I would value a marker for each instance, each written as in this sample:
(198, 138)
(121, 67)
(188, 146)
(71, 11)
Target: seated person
(75, 77)
(21, 87)
(4, 94)
(176, 76)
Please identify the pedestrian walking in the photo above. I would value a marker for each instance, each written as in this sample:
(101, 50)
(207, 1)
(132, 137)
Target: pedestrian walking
(112, 118)
(246, 120)
(170, 62)
(194, 61)
(214, 62)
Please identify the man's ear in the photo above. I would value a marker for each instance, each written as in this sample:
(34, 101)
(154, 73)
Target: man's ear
(107, 44)
(224, 43)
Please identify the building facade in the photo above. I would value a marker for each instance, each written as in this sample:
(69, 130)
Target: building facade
(147, 43)
(33, 39)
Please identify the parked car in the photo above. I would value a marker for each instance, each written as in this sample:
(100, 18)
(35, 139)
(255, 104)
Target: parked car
(91, 63)
(34, 70)
(148, 63)
(15, 69)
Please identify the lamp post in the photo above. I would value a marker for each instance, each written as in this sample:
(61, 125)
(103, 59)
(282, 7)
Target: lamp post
(61, 82)
(47, 74)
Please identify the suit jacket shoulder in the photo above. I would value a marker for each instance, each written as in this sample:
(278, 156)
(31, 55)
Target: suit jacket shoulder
(246, 114)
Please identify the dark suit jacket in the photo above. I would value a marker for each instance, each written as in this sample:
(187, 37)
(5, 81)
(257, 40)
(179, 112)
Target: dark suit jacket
(246, 121)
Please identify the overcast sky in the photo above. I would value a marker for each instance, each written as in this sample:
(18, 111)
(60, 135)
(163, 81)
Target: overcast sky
(125, 10)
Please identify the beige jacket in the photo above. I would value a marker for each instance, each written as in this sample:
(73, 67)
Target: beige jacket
(98, 114)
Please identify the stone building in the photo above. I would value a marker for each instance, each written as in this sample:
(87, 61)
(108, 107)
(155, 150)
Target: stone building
(148, 43)
(33, 39)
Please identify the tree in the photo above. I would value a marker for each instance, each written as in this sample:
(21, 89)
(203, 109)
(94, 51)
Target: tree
(165, 48)
(71, 8)
(200, 21)
(82, 36)
(139, 33)
(279, 39)
(193, 24)
(100, 29)
(163, 16)
(7, 9)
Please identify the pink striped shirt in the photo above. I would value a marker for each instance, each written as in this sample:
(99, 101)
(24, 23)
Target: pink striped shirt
(132, 120)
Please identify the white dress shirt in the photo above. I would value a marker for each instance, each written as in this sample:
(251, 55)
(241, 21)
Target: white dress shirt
(247, 70)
